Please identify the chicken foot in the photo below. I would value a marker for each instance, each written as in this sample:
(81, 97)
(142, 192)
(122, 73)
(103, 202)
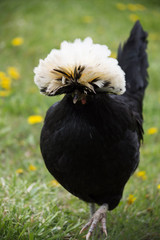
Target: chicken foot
(98, 216)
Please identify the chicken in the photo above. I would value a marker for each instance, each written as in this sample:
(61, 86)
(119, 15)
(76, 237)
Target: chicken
(91, 138)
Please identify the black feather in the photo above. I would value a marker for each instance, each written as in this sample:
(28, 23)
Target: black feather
(133, 59)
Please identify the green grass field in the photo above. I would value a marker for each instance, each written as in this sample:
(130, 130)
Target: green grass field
(33, 207)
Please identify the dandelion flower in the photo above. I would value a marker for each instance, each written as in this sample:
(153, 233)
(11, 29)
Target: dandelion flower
(32, 168)
(133, 17)
(158, 187)
(33, 119)
(121, 6)
(17, 41)
(54, 183)
(2, 74)
(142, 175)
(4, 93)
(87, 19)
(113, 55)
(132, 7)
(5, 82)
(19, 171)
(152, 130)
(140, 7)
(13, 72)
(131, 199)
(154, 36)
(136, 7)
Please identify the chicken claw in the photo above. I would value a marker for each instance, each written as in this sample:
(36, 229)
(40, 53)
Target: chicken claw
(99, 216)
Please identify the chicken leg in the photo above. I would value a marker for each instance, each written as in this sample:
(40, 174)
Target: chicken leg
(98, 216)
(92, 209)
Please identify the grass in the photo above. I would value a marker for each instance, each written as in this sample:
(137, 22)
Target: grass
(31, 207)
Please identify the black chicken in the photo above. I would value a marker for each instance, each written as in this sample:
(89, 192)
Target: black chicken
(90, 139)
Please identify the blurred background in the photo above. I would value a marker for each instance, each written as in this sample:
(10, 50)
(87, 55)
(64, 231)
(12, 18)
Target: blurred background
(33, 204)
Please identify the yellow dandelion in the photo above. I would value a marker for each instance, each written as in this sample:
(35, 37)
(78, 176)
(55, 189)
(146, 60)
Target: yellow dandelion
(140, 7)
(132, 7)
(32, 168)
(33, 119)
(142, 175)
(13, 72)
(54, 183)
(133, 17)
(152, 130)
(19, 171)
(121, 6)
(136, 7)
(5, 82)
(4, 93)
(87, 19)
(158, 187)
(2, 74)
(131, 199)
(154, 36)
(17, 41)
(113, 55)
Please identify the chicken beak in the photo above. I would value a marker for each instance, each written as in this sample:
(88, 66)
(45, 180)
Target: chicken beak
(76, 97)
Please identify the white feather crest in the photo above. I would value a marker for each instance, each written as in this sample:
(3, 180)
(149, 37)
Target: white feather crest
(93, 57)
